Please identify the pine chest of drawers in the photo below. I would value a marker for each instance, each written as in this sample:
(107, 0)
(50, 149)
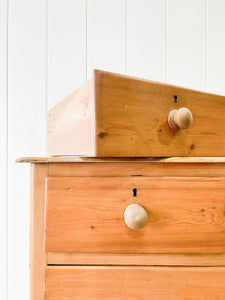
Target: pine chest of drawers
(84, 238)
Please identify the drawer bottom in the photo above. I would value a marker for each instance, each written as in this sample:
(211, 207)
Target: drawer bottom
(155, 283)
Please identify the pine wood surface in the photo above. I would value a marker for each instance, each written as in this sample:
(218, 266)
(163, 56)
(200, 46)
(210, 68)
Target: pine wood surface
(122, 116)
(73, 121)
(152, 259)
(77, 159)
(135, 169)
(132, 113)
(157, 283)
(64, 285)
(38, 258)
(185, 215)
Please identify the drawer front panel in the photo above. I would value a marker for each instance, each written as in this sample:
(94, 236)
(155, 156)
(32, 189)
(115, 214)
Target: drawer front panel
(155, 283)
(185, 215)
(131, 119)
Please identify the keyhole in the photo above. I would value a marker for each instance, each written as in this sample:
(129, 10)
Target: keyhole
(175, 99)
(134, 192)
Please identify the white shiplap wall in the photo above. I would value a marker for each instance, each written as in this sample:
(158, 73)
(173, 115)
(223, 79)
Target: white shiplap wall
(48, 48)
(3, 147)
(26, 128)
(106, 35)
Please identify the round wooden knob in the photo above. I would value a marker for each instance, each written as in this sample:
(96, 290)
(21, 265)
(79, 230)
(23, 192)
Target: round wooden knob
(180, 118)
(135, 216)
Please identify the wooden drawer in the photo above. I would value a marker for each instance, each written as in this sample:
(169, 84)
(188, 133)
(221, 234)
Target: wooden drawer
(86, 214)
(120, 116)
(155, 283)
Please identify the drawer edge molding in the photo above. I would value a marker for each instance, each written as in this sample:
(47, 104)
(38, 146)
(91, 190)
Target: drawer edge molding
(185, 259)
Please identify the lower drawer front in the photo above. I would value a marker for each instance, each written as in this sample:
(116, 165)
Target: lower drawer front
(155, 283)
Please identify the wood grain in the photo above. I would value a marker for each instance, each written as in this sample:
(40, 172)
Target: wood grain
(153, 259)
(128, 117)
(185, 215)
(76, 159)
(157, 283)
(38, 258)
(132, 114)
(135, 169)
(70, 122)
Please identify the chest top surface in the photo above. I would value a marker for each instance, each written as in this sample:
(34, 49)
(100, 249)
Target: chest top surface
(76, 159)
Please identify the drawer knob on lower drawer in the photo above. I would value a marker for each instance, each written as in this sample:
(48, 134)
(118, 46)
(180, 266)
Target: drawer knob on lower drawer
(135, 216)
(180, 118)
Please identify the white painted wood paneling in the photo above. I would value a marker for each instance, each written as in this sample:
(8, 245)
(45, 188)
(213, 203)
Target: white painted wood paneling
(26, 129)
(216, 46)
(106, 36)
(186, 43)
(66, 48)
(146, 39)
(3, 151)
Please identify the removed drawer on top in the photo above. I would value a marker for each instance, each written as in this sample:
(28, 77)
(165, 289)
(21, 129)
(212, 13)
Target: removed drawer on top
(120, 116)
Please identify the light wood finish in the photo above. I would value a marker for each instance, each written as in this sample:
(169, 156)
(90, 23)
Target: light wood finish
(72, 121)
(38, 258)
(86, 200)
(180, 118)
(186, 215)
(128, 117)
(135, 169)
(203, 259)
(135, 216)
(156, 283)
(77, 159)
